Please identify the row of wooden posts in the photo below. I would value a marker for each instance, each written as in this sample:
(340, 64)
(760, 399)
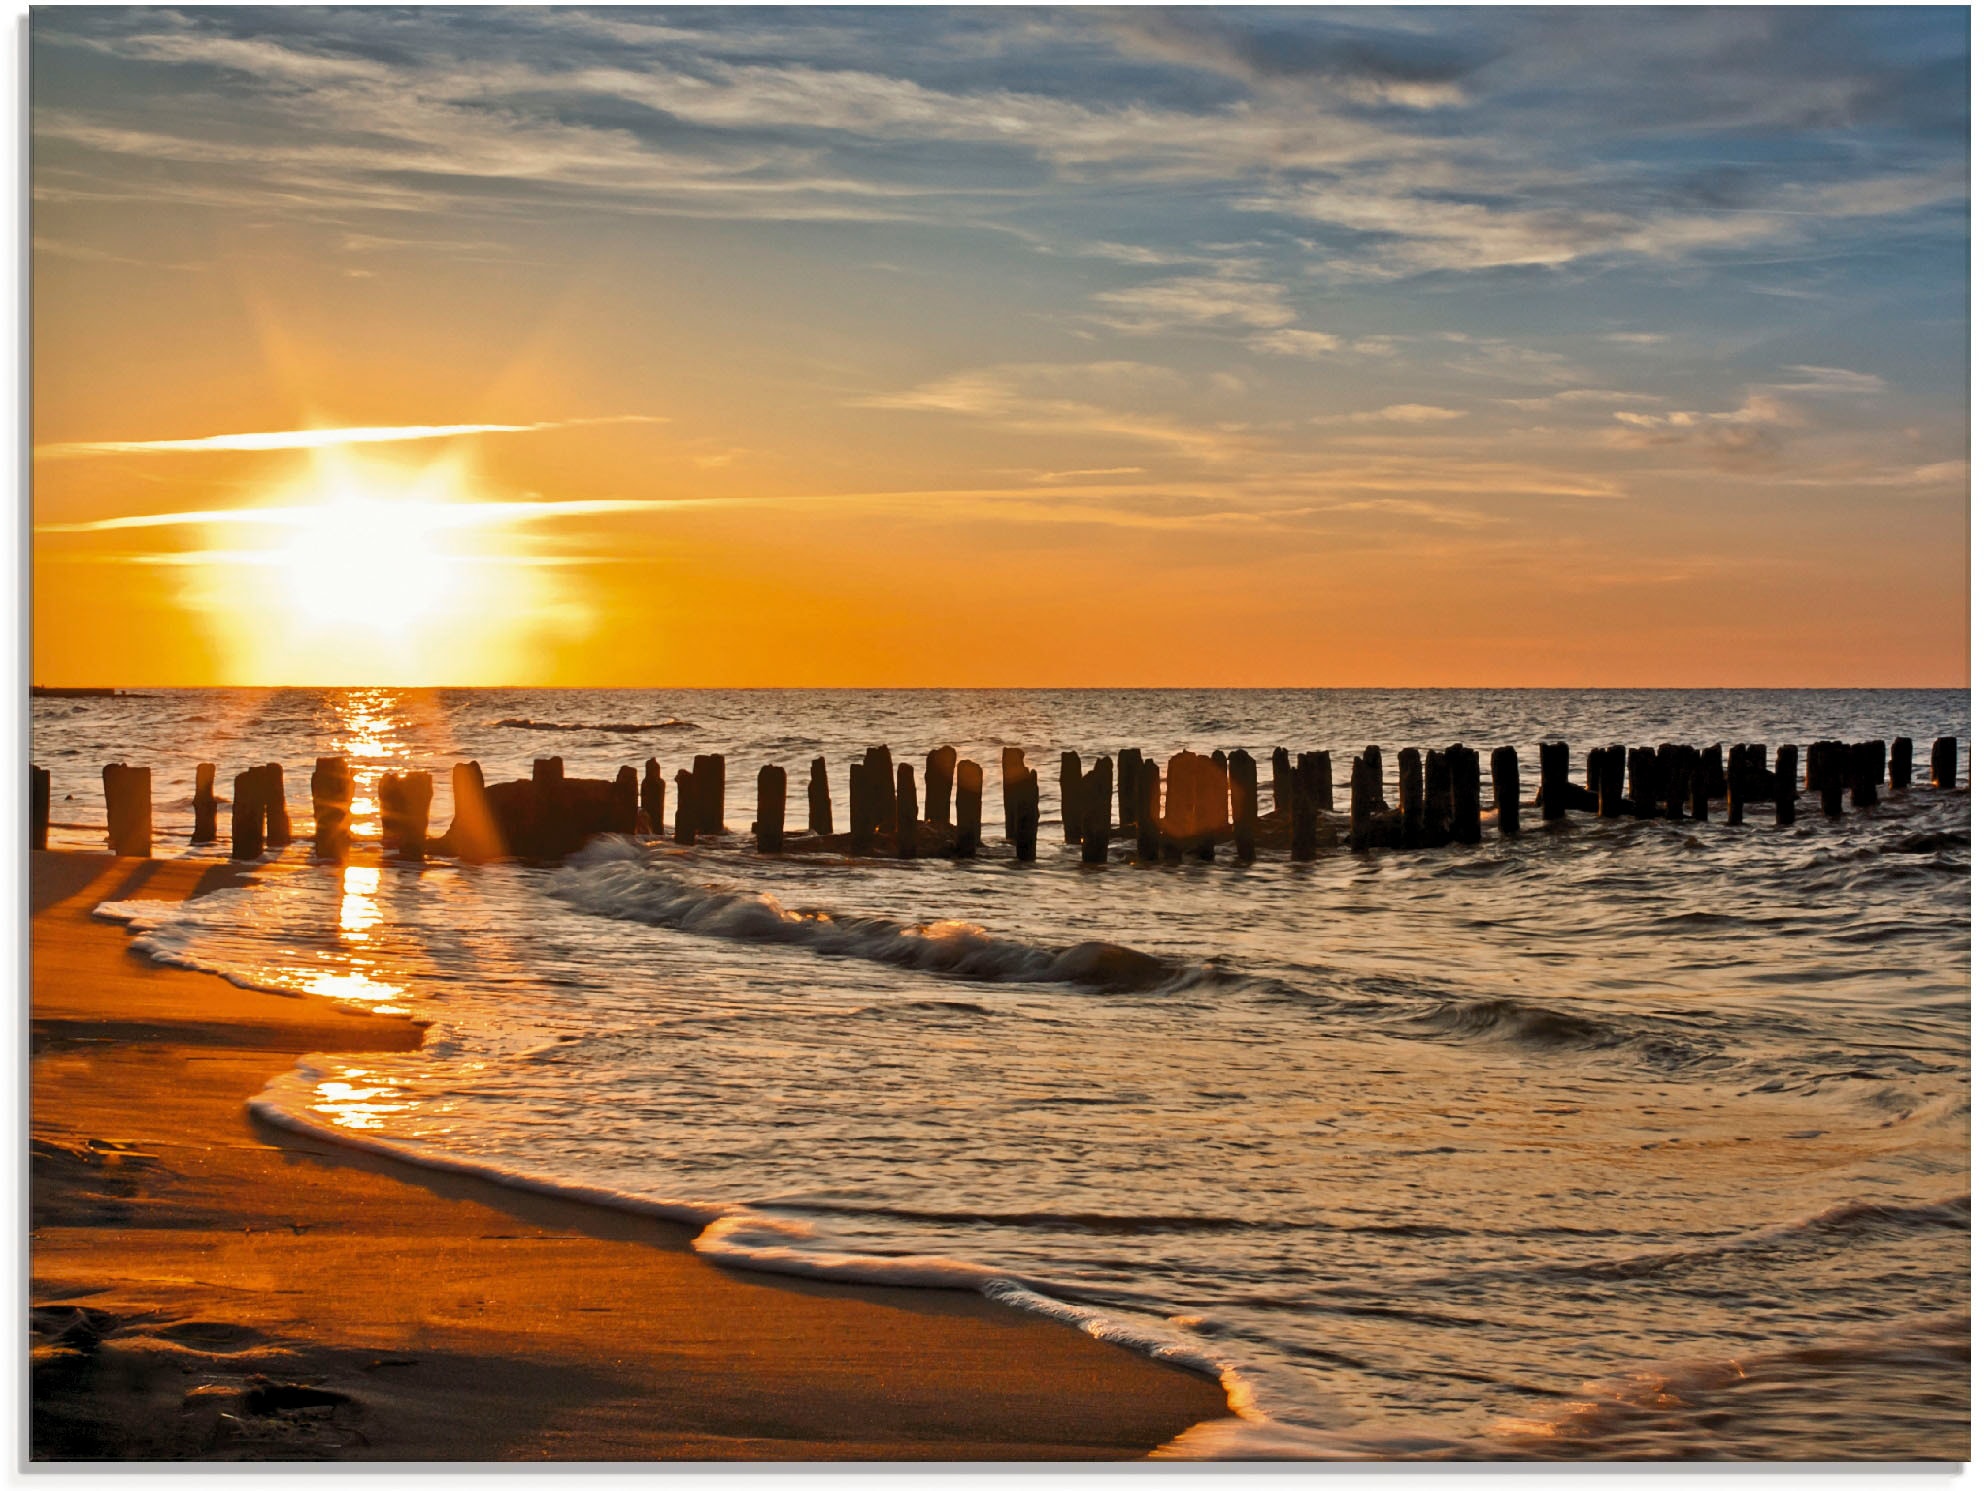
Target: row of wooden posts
(1194, 803)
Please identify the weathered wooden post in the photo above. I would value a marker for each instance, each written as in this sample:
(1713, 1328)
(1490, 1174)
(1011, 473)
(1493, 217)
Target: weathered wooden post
(1714, 780)
(904, 822)
(1025, 802)
(1733, 788)
(1150, 816)
(1439, 820)
(1093, 792)
(1785, 784)
(1071, 797)
(1507, 774)
(685, 807)
(971, 808)
(206, 807)
(1313, 767)
(330, 806)
(709, 779)
(1901, 764)
(1278, 763)
(653, 793)
(473, 835)
(1367, 800)
(277, 807)
(1301, 789)
(1464, 766)
(127, 801)
(1865, 760)
(860, 835)
(246, 815)
(770, 826)
(417, 797)
(624, 806)
(38, 800)
(1129, 781)
(1243, 783)
(1411, 799)
(819, 803)
(1676, 771)
(1831, 772)
(1612, 782)
(940, 768)
(547, 773)
(1012, 770)
(1942, 763)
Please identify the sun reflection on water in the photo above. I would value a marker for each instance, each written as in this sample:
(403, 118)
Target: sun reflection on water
(357, 1104)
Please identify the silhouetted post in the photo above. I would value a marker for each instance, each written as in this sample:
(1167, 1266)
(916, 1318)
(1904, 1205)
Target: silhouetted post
(709, 784)
(1440, 817)
(1301, 788)
(246, 815)
(971, 807)
(1464, 766)
(330, 806)
(940, 767)
(1507, 774)
(1012, 771)
(685, 807)
(1411, 799)
(1715, 781)
(1830, 770)
(1787, 784)
(771, 810)
(652, 794)
(1071, 797)
(1025, 802)
(1594, 771)
(1733, 788)
(904, 822)
(547, 773)
(1150, 817)
(1901, 764)
(127, 801)
(1278, 762)
(1675, 771)
(624, 805)
(1367, 800)
(1612, 782)
(1129, 779)
(276, 806)
(1942, 763)
(1865, 760)
(1554, 763)
(472, 835)
(417, 795)
(1244, 789)
(206, 807)
(1701, 786)
(1093, 792)
(38, 799)
(819, 804)
(860, 817)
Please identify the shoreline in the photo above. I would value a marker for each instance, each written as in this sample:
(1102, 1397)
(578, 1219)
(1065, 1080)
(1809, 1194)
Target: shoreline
(205, 1284)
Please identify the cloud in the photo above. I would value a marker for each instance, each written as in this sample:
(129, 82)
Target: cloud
(1746, 434)
(1831, 380)
(1407, 414)
(438, 515)
(1230, 297)
(1292, 341)
(318, 439)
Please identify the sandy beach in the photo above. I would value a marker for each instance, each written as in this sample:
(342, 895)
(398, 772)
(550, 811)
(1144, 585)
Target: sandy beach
(206, 1287)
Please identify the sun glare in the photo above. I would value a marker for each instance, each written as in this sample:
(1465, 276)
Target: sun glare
(364, 560)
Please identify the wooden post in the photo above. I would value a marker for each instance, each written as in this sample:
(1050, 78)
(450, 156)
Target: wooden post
(1012, 771)
(1244, 785)
(1675, 771)
(1150, 817)
(819, 803)
(1865, 760)
(1554, 761)
(127, 801)
(1942, 763)
(940, 768)
(1071, 797)
(330, 806)
(1506, 772)
(685, 807)
(770, 826)
(206, 807)
(417, 802)
(1025, 806)
(276, 805)
(1411, 800)
(473, 835)
(246, 813)
(971, 808)
(652, 794)
(1313, 767)
(903, 823)
(1612, 782)
(1129, 780)
(709, 795)
(1301, 789)
(38, 799)
(1787, 784)
(392, 807)
(1464, 766)
(1093, 792)
(1367, 801)
(1439, 820)
(1901, 764)
(1278, 762)
(1830, 770)
(1733, 788)
(1715, 782)
(547, 773)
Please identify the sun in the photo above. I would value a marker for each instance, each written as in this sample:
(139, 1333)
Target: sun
(370, 557)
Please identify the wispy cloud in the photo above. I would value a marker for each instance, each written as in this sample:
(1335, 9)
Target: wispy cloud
(319, 439)
(432, 514)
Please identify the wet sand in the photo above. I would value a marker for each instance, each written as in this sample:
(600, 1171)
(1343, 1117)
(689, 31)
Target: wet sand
(205, 1286)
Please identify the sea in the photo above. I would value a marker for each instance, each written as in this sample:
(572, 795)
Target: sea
(1608, 1140)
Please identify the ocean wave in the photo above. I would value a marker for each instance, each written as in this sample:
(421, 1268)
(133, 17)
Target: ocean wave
(614, 878)
(644, 728)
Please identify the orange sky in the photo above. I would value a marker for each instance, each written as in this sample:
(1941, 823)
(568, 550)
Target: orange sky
(970, 413)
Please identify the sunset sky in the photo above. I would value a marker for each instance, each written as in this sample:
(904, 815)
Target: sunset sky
(1075, 347)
